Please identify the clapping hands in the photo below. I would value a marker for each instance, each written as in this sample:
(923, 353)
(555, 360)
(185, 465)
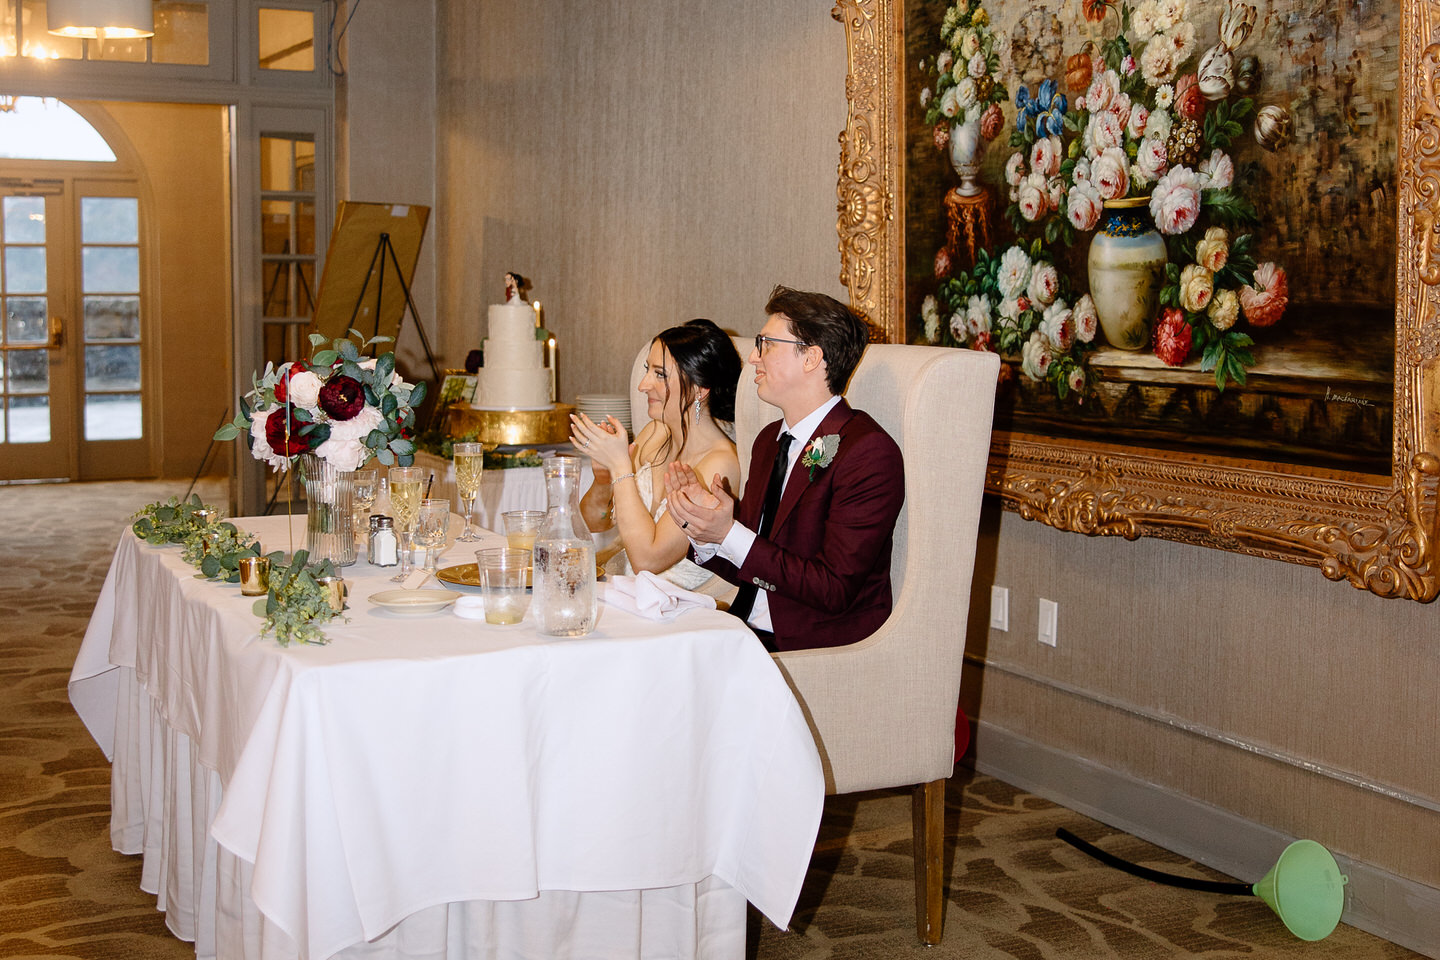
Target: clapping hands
(705, 515)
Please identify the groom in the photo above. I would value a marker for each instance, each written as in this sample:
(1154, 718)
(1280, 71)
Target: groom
(809, 542)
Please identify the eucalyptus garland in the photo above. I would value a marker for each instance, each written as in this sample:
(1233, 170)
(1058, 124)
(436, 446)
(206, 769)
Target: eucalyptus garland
(171, 521)
(296, 604)
(216, 551)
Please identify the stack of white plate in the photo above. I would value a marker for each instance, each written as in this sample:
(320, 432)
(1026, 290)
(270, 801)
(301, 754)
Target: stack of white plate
(598, 406)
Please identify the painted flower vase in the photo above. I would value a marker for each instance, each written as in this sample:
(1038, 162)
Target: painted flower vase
(1127, 268)
(966, 145)
(329, 511)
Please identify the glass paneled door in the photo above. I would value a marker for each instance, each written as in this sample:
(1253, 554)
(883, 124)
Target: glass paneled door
(36, 389)
(74, 384)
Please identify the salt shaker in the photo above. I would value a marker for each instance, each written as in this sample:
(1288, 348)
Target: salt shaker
(382, 547)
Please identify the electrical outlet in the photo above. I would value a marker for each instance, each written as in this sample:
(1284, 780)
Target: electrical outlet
(999, 608)
(1048, 633)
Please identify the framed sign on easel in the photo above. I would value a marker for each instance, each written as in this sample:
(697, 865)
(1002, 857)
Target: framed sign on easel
(368, 269)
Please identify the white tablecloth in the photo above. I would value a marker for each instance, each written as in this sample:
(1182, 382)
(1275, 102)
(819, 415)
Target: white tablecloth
(418, 762)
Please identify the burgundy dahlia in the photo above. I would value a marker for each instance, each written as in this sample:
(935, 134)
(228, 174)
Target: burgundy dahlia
(342, 397)
(275, 434)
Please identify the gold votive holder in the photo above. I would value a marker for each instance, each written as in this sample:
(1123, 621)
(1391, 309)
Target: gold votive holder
(335, 591)
(206, 517)
(254, 576)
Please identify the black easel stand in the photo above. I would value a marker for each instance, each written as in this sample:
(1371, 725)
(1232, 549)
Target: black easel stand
(385, 253)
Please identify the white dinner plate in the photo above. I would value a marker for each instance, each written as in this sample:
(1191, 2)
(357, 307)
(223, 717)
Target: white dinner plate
(413, 601)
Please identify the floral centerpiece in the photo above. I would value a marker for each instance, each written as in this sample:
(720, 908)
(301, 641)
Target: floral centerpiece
(338, 406)
(963, 108)
(333, 411)
(1145, 149)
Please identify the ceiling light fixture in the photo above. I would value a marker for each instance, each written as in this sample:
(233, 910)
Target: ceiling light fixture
(100, 19)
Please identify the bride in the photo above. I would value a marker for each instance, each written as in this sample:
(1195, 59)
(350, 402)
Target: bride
(690, 377)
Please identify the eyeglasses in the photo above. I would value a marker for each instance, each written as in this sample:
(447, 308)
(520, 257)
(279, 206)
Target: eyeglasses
(761, 340)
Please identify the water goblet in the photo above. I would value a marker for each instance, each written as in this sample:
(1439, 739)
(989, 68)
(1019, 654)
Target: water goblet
(364, 483)
(432, 528)
(405, 496)
(469, 464)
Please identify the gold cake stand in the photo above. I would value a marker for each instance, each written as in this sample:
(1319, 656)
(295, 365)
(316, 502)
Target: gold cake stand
(510, 427)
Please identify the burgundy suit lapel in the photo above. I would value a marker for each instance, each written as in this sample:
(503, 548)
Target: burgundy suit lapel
(799, 480)
(761, 463)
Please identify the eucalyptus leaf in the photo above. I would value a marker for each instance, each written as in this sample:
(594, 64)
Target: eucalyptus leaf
(316, 339)
(325, 358)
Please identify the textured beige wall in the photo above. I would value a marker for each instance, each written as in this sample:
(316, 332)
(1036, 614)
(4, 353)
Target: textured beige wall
(184, 149)
(385, 138)
(642, 162)
(1270, 654)
(650, 161)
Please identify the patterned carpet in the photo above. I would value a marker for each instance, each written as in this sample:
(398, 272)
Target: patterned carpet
(1014, 891)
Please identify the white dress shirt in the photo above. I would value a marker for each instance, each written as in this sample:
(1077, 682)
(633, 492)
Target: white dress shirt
(740, 538)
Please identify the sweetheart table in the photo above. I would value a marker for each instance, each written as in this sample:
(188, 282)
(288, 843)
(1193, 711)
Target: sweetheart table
(437, 787)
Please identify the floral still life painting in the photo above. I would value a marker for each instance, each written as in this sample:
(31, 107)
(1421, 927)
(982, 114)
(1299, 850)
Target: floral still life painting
(1174, 219)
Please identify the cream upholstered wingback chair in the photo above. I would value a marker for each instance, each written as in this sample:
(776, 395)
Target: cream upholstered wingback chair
(883, 710)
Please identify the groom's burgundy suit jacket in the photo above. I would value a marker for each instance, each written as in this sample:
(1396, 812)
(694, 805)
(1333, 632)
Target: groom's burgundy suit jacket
(825, 565)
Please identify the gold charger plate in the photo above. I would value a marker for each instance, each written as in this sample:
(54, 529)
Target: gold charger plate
(468, 574)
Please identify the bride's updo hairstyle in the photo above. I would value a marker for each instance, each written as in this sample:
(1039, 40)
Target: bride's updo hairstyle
(705, 357)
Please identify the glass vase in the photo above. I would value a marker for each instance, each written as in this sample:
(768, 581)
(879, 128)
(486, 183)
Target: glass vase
(329, 511)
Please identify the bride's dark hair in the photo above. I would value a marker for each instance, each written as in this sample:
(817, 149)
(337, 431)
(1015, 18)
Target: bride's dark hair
(705, 357)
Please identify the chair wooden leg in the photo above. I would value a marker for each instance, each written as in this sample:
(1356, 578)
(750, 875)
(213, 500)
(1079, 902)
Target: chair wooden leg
(928, 816)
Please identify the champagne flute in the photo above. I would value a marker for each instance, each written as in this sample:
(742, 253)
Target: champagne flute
(469, 462)
(364, 483)
(432, 528)
(405, 487)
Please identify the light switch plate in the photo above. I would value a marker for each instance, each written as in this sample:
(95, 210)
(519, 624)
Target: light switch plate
(1048, 633)
(999, 608)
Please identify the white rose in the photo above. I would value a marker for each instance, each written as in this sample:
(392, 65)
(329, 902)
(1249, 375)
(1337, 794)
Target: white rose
(1218, 172)
(1015, 169)
(1058, 327)
(957, 324)
(1086, 319)
(1158, 63)
(1159, 124)
(1014, 272)
(949, 103)
(1044, 284)
(1035, 357)
(1151, 159)
(1110, 173)
(1034, 198)
(965, 93)
(977, 67)
(945, 62)
(304, 390)
(977, 315)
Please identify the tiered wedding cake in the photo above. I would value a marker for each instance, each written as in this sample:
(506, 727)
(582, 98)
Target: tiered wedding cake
(514, 376)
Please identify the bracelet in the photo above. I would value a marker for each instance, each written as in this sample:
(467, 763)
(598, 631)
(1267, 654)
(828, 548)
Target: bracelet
(623, 476)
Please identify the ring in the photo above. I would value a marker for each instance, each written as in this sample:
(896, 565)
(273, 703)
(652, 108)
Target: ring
(685, 525)
(584, 443)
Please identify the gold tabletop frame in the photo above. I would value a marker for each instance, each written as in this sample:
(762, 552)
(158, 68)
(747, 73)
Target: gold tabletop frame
(1378, 533)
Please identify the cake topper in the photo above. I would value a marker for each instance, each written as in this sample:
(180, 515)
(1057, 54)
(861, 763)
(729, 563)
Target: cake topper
(515, 285)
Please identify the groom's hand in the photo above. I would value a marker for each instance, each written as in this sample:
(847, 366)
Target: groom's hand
(704, 515)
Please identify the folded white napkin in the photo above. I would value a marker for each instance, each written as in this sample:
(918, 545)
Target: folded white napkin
(652, 597)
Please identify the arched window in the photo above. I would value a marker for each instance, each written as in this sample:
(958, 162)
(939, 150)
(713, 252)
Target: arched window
(43, 128)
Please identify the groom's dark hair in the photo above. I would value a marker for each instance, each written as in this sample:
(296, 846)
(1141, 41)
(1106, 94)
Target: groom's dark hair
(822, 321)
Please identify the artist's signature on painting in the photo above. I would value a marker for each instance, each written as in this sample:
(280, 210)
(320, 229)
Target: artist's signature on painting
(1334, 396)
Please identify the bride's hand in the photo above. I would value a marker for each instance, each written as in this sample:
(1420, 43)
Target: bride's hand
(605, 444)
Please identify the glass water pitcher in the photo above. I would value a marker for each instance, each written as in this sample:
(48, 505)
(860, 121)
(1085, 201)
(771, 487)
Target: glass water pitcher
(564, 561)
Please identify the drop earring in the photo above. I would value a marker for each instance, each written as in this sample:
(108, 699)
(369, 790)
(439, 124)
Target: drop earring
(697, 410)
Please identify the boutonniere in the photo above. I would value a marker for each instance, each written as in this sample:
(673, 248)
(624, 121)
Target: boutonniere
(820, 453)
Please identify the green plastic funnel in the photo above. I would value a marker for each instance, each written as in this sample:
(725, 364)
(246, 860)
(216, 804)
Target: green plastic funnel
(1306, 890)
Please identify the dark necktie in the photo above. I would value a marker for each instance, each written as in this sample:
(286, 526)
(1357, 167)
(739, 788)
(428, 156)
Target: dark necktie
(745, 599)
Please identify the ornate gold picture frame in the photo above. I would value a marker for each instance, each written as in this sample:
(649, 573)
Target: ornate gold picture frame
(1377, 532)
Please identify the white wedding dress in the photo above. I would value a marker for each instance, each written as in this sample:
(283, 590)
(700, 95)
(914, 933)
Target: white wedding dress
(685, 574)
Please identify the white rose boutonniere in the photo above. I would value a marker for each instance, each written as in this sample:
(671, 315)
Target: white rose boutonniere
(820, 453)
